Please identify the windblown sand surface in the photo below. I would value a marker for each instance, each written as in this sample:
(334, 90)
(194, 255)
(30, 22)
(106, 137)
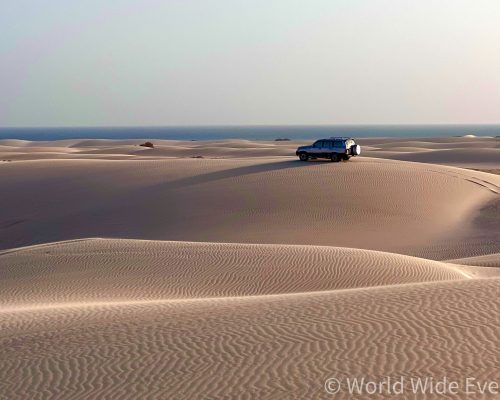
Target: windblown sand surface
(407, 208)
(128, 272)
(468, 152)
(112, 270)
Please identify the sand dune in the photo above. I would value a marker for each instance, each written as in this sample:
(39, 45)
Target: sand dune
(488, 158)
(263, 275)
(432, 144)
(397, 149)
(106, 270)
(366, 203)
(489, 260)
(82, 149)
(14, 142)
(469, 152)
(282, 346)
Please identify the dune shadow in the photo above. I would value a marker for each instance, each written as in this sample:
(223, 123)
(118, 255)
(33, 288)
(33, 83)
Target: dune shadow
(238, 171)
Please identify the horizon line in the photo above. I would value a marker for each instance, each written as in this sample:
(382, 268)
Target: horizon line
(246, 125)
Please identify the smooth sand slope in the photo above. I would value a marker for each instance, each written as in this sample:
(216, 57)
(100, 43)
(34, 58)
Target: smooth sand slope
(407, 208)
(261, 277)
(489, 260)
(468, 152)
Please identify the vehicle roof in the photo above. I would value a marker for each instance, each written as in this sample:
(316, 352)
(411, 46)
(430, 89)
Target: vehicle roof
(337, 138)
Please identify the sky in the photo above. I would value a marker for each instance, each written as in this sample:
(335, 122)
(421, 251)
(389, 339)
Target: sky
(233, 62)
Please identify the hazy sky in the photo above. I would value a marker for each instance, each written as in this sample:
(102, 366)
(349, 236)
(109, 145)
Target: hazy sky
(150, 62)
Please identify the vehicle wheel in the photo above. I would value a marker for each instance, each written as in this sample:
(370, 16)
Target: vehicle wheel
(334, 157)
(346, 157)
(303, 157)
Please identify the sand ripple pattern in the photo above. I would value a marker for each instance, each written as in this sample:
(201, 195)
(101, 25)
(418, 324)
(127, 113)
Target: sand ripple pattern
(266, 347)
(105, 270)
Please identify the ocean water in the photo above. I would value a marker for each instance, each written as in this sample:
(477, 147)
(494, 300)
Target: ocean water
(249, 132)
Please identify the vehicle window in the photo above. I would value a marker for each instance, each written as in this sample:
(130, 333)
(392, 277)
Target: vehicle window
(317, 144)
(338, 143)
(327, 143)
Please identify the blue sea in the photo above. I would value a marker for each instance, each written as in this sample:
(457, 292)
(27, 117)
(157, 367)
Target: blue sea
(249, 132)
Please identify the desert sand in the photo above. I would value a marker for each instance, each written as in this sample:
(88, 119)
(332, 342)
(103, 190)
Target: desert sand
(229, 269)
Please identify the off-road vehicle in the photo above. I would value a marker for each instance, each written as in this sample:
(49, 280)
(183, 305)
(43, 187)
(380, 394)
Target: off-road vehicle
(335, 149)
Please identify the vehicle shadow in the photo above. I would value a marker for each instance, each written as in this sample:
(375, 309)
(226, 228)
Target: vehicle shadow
(240, 171)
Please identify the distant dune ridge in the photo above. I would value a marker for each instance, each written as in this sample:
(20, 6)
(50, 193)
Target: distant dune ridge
(129, 272)
(465, 151)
